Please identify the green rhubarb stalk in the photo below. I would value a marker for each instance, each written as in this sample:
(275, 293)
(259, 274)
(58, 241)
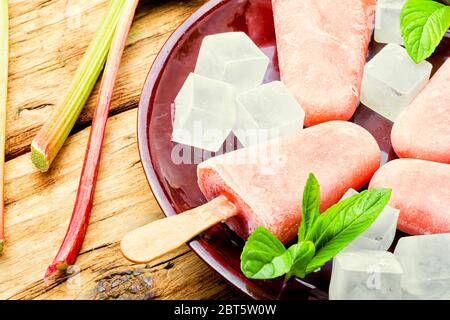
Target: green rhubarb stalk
(55, 131)
(4, 30)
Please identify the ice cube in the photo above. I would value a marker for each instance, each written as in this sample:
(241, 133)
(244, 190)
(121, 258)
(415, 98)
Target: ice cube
(267, 112)
(426, 264)
(365, 275)
(381, 234)
(232, 57)
(387, 21)
(392, 80)
(205, 113)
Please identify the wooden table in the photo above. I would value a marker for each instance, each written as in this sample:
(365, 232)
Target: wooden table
(47, 43)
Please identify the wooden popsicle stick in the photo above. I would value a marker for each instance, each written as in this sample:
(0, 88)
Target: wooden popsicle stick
(160, 237)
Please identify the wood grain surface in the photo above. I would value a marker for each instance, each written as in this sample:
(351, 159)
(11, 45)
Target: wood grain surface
(47, 42)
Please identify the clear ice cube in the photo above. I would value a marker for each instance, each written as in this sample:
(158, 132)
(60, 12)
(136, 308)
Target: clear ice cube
(380, 235)
(365, 275)
(205, 113)
(426, 264)
(232, 57)
(392, 80)
(266, 112)
(387, 21)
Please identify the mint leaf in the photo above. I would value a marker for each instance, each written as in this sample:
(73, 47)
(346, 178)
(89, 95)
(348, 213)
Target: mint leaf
(337, 227)
(300, 255)
(310, 205)
(264, 256)
(423, 24)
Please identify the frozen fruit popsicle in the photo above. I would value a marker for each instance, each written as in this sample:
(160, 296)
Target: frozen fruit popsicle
(266, 181)
(322, 47)
(423, 129)
(262, 185)
(421, 190)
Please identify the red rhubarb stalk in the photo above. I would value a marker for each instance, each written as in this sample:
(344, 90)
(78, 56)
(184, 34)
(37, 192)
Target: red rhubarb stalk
(73, 240)
(3, 102)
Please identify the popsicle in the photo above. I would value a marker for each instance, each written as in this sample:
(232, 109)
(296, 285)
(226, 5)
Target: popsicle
(423, 129)
(421, 190)
(262, 185)
(322, 47)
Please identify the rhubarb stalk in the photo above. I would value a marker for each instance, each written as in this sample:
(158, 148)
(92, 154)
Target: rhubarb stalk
(55, 131)
(80, 217)
(4, 30)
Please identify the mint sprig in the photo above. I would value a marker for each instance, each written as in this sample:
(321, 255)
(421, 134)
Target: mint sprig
(423, 24)
(321, 237)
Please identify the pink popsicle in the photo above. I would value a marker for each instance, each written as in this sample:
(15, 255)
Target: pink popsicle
(322, 47)
(266, 181)
(421, 190)
(263, 186)
(423, 129)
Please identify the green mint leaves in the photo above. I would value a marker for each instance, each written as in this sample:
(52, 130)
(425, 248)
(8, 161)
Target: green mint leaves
(300, 253)
(423, 24)
(264, 256)
(310, 205)
(321, 237)
(343, 223)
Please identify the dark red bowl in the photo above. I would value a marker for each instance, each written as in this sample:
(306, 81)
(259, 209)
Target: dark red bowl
(174, 185)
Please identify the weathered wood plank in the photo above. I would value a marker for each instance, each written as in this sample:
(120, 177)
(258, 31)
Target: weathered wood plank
(48, 39)
(38, 208)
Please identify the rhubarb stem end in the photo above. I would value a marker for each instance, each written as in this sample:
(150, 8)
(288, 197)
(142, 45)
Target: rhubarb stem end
(39, 159)
(50, 270)
(62, 266)
(54, 267)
